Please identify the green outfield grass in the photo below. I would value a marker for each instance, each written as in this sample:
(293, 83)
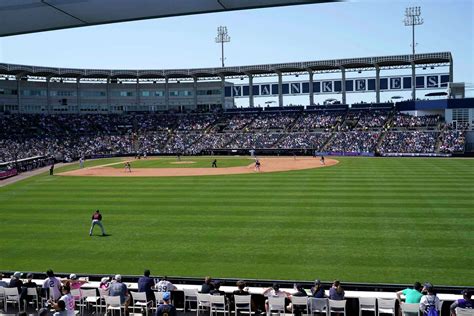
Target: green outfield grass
(395, 220)
(187, 162)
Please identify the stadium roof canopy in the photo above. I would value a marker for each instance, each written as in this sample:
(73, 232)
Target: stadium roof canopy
(321, 66)
(28, 16)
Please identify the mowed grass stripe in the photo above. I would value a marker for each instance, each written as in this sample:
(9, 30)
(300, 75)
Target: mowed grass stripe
(367, 220)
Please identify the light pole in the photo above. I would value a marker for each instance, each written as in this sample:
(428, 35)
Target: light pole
(222, 37)
(413, 18)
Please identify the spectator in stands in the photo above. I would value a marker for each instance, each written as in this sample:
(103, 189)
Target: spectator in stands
(61, 309)
(336, 292)
(74, 282)
(15, 281)
(3, 283)
(300, 292)
(104, 283)
(317, 290)
(53, 285)
(274, 291)
(146, 284)
(28, 284)
(166, 309)
(429, 299)
(411, 295)
(68, 300)
(165, 286)
(208, 286)
(216, 290)
(241, 288)
(464, 302)
(117, 288)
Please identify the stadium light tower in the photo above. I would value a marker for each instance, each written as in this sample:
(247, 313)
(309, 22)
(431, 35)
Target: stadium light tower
(222, 37)
(413, 18)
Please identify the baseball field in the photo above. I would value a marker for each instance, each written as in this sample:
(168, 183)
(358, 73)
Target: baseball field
(391, 220)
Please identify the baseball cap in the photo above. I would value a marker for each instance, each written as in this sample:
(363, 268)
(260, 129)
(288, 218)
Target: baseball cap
(466, 292)
(104, 279)
(317, 281)
(73, 276)
(428, 286)
(118, 277)
(29, 276)
(166, 296)
(17, 274)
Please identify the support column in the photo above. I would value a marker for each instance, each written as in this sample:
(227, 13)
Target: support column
(343, 85)
(195, 95)
(451, 70)
(18, 89)
(311, 92)
(280, 88)
(78, 95)
(107, 88)
(137, 89)
(413, 81)
(377, 84)
(167, 94)
(48, 98)
(223, 91)
(251, 104)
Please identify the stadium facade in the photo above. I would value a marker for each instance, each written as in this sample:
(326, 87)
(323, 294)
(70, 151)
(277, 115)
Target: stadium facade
(34, 89)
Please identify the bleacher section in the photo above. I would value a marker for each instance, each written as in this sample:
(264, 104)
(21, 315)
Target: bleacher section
(368, 130)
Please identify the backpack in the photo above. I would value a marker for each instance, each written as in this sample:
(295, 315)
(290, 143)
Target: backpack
(431, 310)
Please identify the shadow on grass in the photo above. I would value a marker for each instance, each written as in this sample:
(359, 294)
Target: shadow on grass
(104, 235)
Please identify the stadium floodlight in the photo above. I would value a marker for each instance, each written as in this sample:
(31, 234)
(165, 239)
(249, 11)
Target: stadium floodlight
(413, 18)
(222, 37)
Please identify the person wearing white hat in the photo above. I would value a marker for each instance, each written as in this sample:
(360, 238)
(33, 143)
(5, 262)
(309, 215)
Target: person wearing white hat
(117, 288)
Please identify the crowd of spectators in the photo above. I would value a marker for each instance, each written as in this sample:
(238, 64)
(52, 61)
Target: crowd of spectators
(354, 142)
(407, 120)
(273, 121)
(69, 137)
(409, 142)
(369, 118)
(318, 120)
(303, 140)
(253, 140)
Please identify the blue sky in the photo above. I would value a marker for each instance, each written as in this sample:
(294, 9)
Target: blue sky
(283, 34)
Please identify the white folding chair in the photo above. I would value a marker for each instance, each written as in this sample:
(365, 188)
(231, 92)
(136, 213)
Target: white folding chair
(190, 296)
(367, 304)
(203, 302)
(140, 301)
(243, 302)
(102, 294)
(319, 305)
(78, 299)
(218, 304)
(158, 299)
(299, 301)
(90, 298)
(337, 306)
(386, 306)
(410, 309)
(112, 303)
(276, 304)
(33, 293)
(464, 311)
(12, 297)
(2, 295)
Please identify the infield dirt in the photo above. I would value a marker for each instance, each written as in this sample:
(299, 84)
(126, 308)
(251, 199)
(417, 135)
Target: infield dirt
(268, 164)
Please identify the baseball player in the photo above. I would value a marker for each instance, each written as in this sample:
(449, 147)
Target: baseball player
(128, 167)
(257, 165)
(97, 220)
